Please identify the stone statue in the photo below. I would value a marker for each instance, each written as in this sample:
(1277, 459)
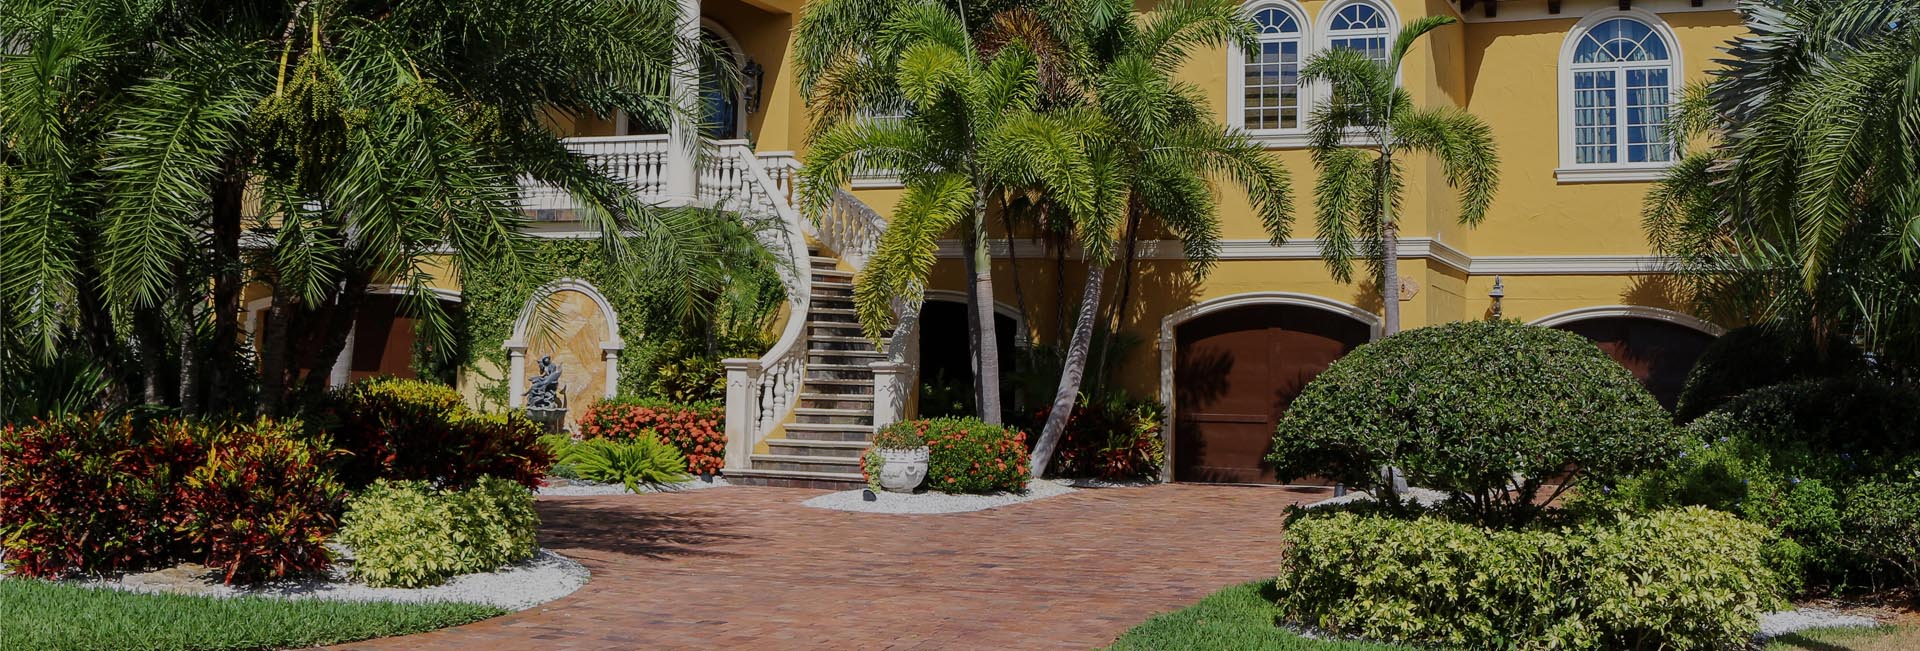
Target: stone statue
(544, 390)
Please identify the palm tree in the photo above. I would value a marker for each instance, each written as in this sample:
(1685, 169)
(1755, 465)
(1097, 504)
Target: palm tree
(377, 136)
(1360, 186)
(1803, 208)
(1156, 151)
(960, 100)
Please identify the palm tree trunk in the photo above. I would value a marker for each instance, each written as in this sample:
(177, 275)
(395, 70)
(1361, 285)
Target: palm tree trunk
(1390, 277)
(987, 345)
(273, 360)
(103, 345)
(1070, 372)
(1120, 306)
(338, 324)
(970, 261)
(228, 202)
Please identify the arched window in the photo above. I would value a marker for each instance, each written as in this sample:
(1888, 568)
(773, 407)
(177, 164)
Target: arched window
(1269, 97)
(1618, 81)
(1361, 26)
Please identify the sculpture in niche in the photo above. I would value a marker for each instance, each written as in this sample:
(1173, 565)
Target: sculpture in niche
(544, 390)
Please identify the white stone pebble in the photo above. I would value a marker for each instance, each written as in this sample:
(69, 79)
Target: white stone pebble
(545, 577)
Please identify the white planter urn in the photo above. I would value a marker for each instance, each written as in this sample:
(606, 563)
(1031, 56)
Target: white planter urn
(901, 471)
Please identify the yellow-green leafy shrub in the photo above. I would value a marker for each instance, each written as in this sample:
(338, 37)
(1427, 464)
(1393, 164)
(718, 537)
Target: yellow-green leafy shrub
(641, 461)
(1681, 579)
(406, 534)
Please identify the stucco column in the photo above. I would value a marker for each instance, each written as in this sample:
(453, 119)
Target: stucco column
(610, 354)
(684, 132)
(516, 374)
(342, 371)
(889, 391)
(743, 375)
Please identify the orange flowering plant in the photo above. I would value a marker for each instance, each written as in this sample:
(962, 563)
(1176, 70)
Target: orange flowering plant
(698, 430)
(967, 455)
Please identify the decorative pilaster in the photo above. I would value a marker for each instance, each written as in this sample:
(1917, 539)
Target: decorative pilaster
(516, 374)
(742, 412)
(889, 391)
(610, 358)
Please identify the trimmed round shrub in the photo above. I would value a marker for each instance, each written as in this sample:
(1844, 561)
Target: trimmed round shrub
(698, 430)
(1468, 407)
(1681, 579)
(408, 534)
(1757, 356)
(967, 455)
(88, 494)
(404, 430)
(261, 506)
(1882, 521)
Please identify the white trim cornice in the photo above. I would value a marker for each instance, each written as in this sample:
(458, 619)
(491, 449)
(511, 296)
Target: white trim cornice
(1411, 248)
(1511, 11)
(1636, 311)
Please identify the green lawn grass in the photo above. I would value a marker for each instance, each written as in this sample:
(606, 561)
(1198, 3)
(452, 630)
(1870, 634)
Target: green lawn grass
(1240, 618)
(41, 616)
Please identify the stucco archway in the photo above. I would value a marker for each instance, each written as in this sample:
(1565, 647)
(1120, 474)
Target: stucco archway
(1658, 346)
(518, 343)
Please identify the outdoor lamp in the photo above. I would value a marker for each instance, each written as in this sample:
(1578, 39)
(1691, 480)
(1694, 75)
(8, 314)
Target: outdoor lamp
(751, 77)
(1498, 292)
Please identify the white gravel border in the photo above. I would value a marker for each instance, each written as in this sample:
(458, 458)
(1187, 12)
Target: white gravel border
(1785, 622)
(932, 502)
(538, 580)
(582, 489)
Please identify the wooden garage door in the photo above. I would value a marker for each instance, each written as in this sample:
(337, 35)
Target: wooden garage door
(1660, 354)
(1236, 372)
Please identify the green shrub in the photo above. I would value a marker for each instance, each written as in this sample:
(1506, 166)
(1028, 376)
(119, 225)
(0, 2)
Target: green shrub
(903, 435)
(407, 534)
(966, 455)
(1466, 407)
(1882, 521)
(641, 461)
(261, 506)
(88, 494)
(405, 430)
(1757, 356)
(698, 431)
(559, 445)
(1789, 457)
(1682, 579)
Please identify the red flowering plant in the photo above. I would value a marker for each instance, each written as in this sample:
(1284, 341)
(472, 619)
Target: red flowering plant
(87, 494)
(1110, 440)
(261, 505)
(407, 430)
(967, 455)
(698, 430)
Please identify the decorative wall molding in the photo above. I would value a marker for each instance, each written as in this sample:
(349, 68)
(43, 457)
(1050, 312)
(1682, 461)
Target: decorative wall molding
(1411, 248)
(1636, 311)
(1510, 11)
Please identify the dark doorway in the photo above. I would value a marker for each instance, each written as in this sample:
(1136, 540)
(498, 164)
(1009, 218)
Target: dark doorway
(946, 358)
(1236, 372)
(1659, 353)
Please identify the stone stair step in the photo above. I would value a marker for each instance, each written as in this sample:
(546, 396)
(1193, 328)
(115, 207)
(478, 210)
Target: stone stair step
(809, 448)
(863, 402)
(796, 479)
(824, 272)
(808, 463)
(830, 416)
(827, 427)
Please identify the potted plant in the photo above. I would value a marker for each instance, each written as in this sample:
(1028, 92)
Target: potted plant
(902, 453)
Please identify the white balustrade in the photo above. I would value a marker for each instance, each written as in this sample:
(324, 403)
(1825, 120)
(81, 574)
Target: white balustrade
(640, 162)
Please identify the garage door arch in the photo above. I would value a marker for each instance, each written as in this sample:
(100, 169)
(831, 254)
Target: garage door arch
(1248, 355)
(1658, 346)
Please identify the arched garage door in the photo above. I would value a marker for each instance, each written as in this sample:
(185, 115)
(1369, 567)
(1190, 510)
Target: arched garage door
(1660, 353)
(1235, 372)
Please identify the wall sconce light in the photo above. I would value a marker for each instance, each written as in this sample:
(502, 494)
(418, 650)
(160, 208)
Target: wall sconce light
(1498, 292)
(752, 75)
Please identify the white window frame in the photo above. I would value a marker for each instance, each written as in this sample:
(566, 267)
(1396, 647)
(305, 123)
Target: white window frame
(1237, 78)
(1571, 171)
(1325, 35)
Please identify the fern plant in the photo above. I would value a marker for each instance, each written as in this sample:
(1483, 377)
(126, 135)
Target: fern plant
(643, 461)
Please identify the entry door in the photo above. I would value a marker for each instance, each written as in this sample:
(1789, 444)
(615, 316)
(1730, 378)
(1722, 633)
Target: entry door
(1236, 373)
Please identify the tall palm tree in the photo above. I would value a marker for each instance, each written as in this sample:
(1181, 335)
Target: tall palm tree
(1368, 122)
(1803, 208)
(1156, 152)
(377, 136)
(960, 99)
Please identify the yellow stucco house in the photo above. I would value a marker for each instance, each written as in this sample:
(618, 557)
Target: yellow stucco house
(1576, 92)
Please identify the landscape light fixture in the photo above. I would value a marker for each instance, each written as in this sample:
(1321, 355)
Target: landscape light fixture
(1498, 292)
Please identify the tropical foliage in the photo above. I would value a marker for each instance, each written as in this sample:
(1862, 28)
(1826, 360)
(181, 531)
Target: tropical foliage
(156, 156)
(1803, 206)
(1359, 137)
(406, 534)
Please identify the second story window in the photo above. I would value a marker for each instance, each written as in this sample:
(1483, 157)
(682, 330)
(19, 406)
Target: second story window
(1271, 100)
(1360, 26)
(1618, 80)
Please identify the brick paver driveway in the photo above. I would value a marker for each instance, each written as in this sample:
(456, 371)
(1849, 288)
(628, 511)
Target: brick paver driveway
(749, 568)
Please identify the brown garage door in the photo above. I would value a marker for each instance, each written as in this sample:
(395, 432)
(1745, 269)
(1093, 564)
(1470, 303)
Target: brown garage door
(1236, 372)
(1660, 354)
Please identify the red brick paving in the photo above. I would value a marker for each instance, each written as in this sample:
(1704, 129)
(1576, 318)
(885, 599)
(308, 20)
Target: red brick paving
(749, 568)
